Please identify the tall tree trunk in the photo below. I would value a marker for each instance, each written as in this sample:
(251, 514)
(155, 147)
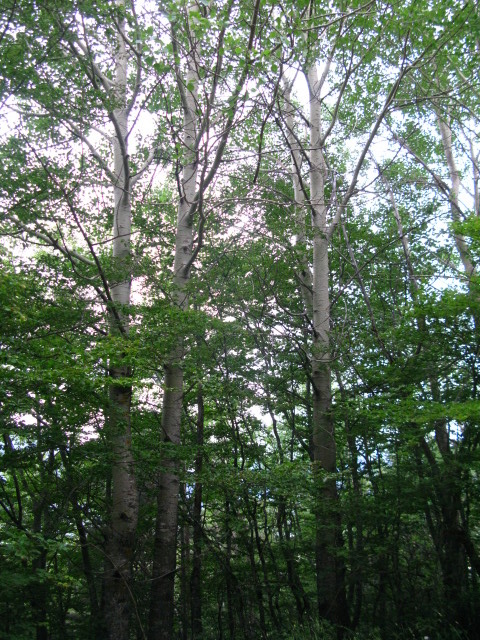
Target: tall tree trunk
(196, 576)
(261, 542)
(314, 288)
(331, 604)
(454, 539)
(356, 582)
(120, 541)
(164, 558)
(184, 531)
(38, 598)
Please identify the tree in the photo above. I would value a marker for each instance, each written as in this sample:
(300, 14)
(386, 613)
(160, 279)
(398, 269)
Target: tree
(226, 356)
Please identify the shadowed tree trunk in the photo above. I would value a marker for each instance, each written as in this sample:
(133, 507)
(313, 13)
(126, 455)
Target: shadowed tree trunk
(196, 576)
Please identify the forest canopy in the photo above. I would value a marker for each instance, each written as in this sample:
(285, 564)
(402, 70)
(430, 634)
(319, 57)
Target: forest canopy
(239, 331)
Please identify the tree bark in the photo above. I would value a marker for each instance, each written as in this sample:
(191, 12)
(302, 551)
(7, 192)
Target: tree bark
(329, 588)
(314, 288)
(164, 558)
(120, 540)
(460, 243)
(196, 576)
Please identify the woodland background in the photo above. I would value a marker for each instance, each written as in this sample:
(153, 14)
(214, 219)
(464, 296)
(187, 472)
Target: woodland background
(239, 334)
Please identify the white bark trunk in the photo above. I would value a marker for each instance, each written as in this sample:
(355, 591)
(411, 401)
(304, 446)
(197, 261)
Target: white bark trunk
(324, 446)
(164, 561)
(162, 596)
(124, 507)
(304, 273)
(460, 242)
(314, 285)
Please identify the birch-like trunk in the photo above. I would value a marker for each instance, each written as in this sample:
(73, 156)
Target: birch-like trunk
(164, 558)
(324, 446)
(460, 242)
(124, 498)
(314, 288)
(164, 561)
(304, 273)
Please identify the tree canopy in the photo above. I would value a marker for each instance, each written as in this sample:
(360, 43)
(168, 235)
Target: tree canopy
(238, 347)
